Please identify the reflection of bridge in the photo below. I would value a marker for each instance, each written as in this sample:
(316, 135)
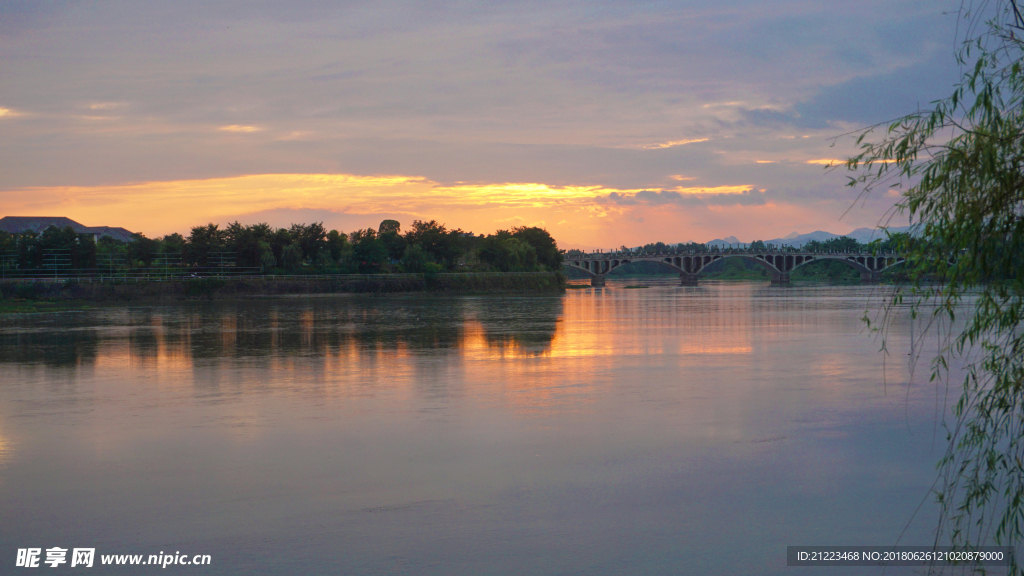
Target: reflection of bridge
(689, 264)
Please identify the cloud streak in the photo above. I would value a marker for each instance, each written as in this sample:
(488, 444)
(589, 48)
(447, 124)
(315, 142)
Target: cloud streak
(673, 144)
(724, 195)
(240, 128)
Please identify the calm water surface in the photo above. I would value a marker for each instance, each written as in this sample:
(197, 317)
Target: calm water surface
(664, 430)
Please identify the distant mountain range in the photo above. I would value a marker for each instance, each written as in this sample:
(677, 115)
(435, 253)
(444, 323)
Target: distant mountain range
(862, 235)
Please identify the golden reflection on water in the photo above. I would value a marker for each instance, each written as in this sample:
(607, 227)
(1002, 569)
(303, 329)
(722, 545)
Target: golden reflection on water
(346, 332)
(656, 327)
(528, 347)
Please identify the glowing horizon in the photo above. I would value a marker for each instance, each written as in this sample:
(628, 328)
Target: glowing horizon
(581, 215)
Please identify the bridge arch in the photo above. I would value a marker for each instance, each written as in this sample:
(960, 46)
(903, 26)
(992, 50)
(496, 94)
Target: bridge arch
(767, 265)
(688, 265)
(867, 264)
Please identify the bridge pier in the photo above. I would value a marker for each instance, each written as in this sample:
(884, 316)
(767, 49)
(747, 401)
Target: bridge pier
(597, 281)
(780, 278)
(687, 279)
(870, 277)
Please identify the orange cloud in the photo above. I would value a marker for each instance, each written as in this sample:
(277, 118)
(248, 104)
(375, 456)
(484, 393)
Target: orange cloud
(740, 189)
(105, 105)
(239, 128)
(672, 143)
(580, 216)
(838, 162)
(723, 104)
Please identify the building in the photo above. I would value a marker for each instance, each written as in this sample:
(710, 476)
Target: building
(19, 224)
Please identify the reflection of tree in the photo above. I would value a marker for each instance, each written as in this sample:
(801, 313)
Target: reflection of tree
(320, 328)
(65, 345)
(142, 342)
(254, 330)
(528, 324)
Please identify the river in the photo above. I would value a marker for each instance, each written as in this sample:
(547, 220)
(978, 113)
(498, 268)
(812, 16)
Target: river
(658, 430)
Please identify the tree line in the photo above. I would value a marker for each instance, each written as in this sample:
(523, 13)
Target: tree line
(427, 246)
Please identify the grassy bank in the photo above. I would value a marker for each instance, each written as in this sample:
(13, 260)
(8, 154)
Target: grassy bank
(34, 296)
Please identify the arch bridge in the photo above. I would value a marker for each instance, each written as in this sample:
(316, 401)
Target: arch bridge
(779, 264)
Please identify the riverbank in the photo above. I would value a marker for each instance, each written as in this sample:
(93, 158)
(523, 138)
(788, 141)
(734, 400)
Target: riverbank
(28, 294)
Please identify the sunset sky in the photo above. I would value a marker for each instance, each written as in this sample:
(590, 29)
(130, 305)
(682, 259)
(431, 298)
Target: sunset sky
(607, 122)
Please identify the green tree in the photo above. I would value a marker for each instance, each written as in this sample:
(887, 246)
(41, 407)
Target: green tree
(444, 246)
(30, 255)
(963, 161)
(358, 236)
(267, 261)
(65, 248)
(389, 233)
(201, 242)
(141, 250)
(279, 240)
(840, 244)
(8, 251)
(311, 238)
(415, 259)
(898, 242)
(545, 247)
(108, 245)
(389, 226)
(337, 243)
(172, 243)
(368, 251)
(506, 253)
(291, 258)
(323, 262)
(692, 247)
(244, 242)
